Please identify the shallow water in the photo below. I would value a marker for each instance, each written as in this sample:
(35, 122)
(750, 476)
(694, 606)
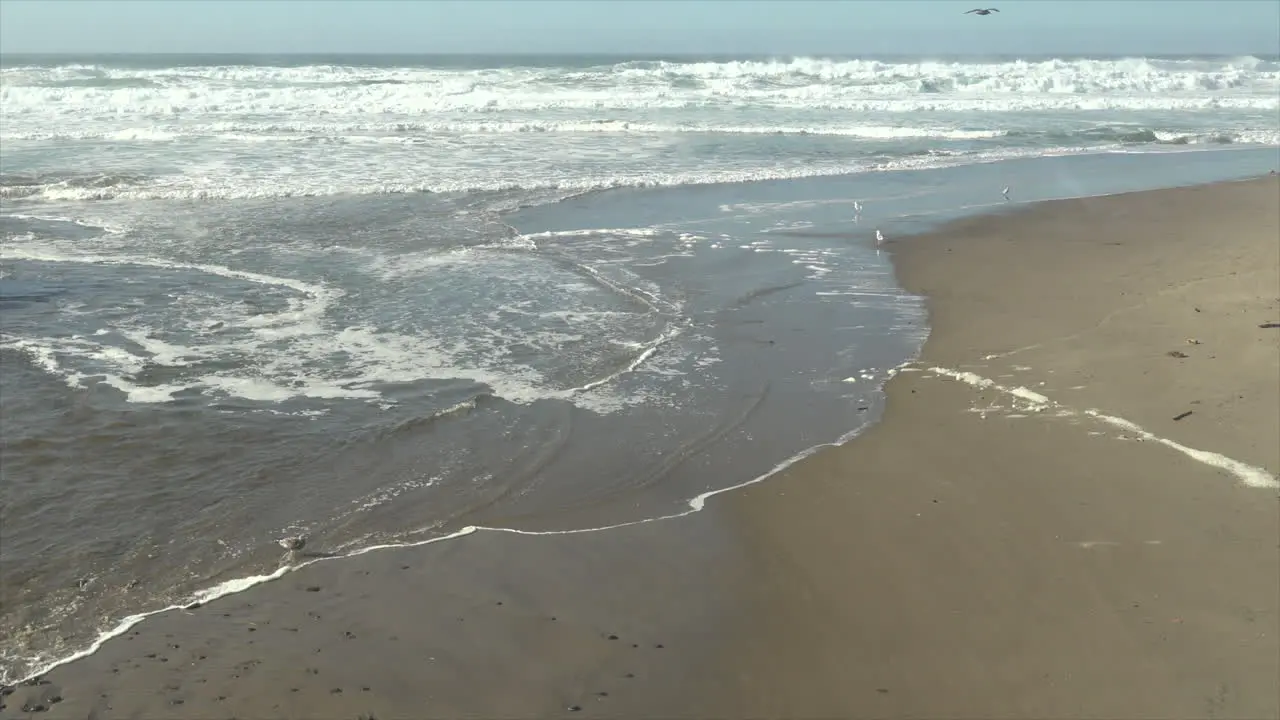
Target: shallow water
(222, 329)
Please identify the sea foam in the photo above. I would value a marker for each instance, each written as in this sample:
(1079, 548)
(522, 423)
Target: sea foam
(1248, 475)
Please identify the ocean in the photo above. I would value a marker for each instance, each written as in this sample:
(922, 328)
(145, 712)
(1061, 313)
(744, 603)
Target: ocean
(376, 300)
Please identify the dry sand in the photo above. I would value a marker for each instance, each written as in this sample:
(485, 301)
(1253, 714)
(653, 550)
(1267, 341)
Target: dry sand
(973, 555)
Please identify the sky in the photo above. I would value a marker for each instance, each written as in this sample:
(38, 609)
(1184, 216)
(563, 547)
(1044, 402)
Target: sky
(640, 26)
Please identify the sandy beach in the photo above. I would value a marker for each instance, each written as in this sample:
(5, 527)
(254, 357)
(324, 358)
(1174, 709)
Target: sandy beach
(977, 554)
(1036, 528)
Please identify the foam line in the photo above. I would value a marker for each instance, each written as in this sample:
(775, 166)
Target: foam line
(231, 587)
(645, 298)
(530, 178)
(632, 366)
(1248, 475)
(59, 219)
(314, 291)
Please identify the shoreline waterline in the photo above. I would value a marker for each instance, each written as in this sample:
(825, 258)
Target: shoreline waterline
(694, 505)
(239, 585)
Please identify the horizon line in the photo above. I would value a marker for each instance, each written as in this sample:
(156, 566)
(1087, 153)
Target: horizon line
(628, 53)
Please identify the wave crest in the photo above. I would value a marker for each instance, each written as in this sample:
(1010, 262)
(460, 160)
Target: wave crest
(793, 83)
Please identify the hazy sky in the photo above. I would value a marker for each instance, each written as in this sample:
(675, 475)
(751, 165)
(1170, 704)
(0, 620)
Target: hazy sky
(639, 26)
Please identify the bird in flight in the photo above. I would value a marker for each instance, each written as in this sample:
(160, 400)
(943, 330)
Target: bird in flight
(982, 11)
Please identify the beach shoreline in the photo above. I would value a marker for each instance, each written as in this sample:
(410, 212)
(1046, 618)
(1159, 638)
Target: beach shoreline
(1000, 544)
(786, 624)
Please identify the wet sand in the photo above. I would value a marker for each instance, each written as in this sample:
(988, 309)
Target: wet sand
(972, 555)
(489, 625)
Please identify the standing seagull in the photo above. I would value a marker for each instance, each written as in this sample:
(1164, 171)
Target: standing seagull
(982, 11)
(879, 238)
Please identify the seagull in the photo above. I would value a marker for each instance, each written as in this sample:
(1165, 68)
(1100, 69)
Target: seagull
(1005, 192)
(879, 238)
(857, 208)
(293, 544)
(982, 11)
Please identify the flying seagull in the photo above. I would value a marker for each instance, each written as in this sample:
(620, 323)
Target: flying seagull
(982, 11)
(1005, 192)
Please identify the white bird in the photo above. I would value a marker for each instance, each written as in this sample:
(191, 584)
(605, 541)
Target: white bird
(293, 544)
(857, 207)
(1005, 192)
(879, 237)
